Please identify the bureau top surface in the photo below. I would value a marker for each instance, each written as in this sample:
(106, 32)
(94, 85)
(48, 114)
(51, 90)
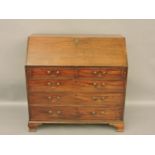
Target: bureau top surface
(76, 50)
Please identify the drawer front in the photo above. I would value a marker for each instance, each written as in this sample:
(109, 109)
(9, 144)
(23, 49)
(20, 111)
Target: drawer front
(74, 113)
(100, 85)
(52, 72)
(51, 85)
(103, 73)
(51, 99)
(82, 99)
(100, 99)
(75, 85)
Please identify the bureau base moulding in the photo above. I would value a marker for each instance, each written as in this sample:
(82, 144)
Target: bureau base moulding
(119, 125)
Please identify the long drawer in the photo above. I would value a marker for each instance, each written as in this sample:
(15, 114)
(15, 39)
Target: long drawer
(73, 99)
(80, 72)
(68, 85)
(76, 113)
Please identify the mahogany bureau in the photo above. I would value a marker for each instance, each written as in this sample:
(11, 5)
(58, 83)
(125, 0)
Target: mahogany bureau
(76, 79)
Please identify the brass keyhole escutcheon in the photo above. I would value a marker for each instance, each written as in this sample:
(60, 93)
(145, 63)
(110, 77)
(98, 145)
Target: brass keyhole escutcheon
(76, 41)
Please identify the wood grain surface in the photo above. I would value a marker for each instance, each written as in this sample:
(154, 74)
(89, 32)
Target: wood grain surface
(76, 79)
(76, 51)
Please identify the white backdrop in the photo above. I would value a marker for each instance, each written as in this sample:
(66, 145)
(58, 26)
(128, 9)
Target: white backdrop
(140, 38)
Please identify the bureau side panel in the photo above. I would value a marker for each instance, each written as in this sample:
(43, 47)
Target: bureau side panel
(28, 75)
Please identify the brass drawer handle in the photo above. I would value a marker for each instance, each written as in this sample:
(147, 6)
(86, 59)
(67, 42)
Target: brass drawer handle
(93, 113)
(99, 73)
(95, 72)
(49, 97)
(97, 85)
(57, 84)
(58, 97)
(103, 84)
(50, 111)
(102, 112)
(95, 98)
(103, 98)
(98, 98)
(58, 112)
(48, 72)
(49, 83)
(94, 83)
(53, 98)
(56, 72)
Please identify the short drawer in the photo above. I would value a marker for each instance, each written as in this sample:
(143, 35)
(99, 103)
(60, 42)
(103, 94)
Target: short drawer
(100, 85)
(103, 73)
(51, 99)
(52, 72)
(74, 113)
(100, 99)
(68, 85)
(53, 85)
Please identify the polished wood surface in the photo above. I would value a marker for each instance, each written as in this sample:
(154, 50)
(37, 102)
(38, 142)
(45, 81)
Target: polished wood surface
(52, 72)
(76, 79)
(68, 85)
(76, 113)
(77, 72)
(76, 51)
(76, 99)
